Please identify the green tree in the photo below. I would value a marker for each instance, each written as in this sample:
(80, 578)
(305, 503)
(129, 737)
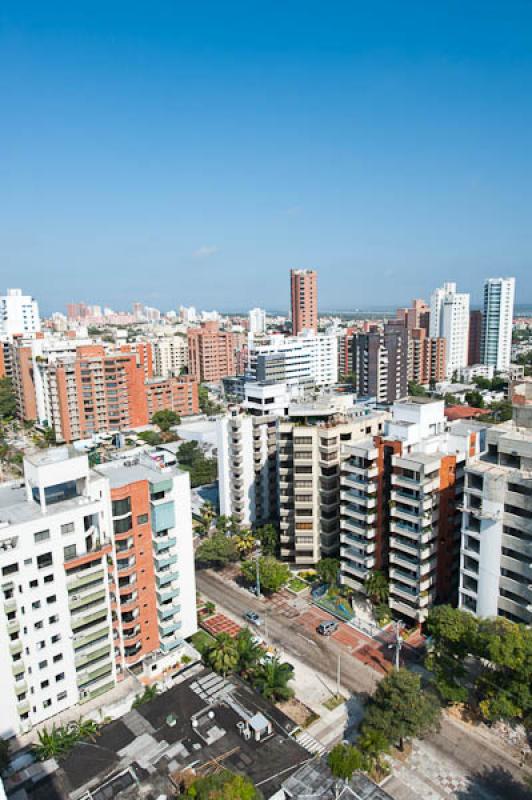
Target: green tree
(217, 551)
(400, 709)
(222, 655)
(474, 399)
(150, 437)
(272, 680)
(415, 389)
(223, 785)
(327, 569)
(273, 574)
(377, 587)
(373, 744)
(268, 537)
(453, 634)
(8, 400)
(344, 760)
(207, 406)
(165, 419)
(207, 514)
(249, 652)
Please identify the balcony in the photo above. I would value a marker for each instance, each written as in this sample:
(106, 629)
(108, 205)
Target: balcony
(169, 629)
(77, 602)
(164, 543)
(168, 613)
(163, 579)
(162, 561)
(362, 514)
(409, 578)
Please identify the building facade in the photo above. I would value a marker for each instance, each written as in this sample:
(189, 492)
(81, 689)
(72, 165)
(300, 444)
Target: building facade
(496, 552)
(89, 579)
(381, 363)
(304, 300)
(211, 353)
(172, 394)
(497, 319)
(170, 355)
(247, 467)
(401, 495)
(304, 361)
(475, 337)
(19, 314)
(312, 440)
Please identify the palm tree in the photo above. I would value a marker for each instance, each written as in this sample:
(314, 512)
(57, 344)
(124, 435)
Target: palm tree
(207, 513)
(249, 652)
(85, 729)
(272, 680)
(373, 744)
(377, 588)
(223, 654)
(245, 542)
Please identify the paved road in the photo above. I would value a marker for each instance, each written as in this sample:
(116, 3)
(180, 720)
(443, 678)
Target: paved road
(445, 765)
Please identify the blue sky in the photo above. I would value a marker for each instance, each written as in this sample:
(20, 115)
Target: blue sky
(192, 152)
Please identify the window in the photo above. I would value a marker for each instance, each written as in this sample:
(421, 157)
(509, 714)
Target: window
(39, 625)
(122, 525)
(43, 664)
(44, 684)
(61, 696)
(41, 645)
(56, 638)
(60, 677)
(121, 507)
(10, 569)
(69, 552)
(34, 584)
(41, 536)
(53, 618)
(48, 578)
(36, 604)
(44, 560)
(47, 703)
(142, 519)
(68, 527)
(51, 599)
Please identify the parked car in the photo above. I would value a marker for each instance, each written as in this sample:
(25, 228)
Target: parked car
(253, 618)
(327, 626)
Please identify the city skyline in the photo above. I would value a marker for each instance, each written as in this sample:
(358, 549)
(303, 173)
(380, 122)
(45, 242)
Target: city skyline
(213, 150)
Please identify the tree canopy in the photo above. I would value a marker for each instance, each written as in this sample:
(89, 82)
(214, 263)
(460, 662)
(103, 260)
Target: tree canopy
(344, 760)
(165, 419)
(223, 785)
(273, 574)
(8, 401)
(202, 469)
(327, 569)
(485, 662)
(268, 536)
(400, 709)
(217, 551)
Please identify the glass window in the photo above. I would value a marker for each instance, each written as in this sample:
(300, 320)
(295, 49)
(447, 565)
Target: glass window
(68, 527)
(41, 536)
(45, 560)
(121, 507)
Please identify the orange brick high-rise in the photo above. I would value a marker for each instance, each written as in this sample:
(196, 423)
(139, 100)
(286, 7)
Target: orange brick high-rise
(304, 300)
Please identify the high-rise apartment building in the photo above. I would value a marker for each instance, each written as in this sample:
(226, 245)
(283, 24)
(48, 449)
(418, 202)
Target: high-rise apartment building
(312, 439)
(426, 358)
(301, 361)
(172, 394)
(211, 353)
(381, 363)
(497, 318)
(475, 337)
(170, 355)
(89, 580)
(304, 300)
(496, 553)
(401, 495)
(449, 318)
(247, 467)
(417, 316)
(345, 351)
(19, 314)
(257, 321)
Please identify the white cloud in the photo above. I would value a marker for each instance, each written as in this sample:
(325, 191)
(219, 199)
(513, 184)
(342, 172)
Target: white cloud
(205, 251)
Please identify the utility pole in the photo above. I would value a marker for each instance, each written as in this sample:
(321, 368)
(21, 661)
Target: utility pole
(257, 569)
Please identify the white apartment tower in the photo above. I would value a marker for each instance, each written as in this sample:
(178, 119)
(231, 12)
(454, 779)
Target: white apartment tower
(496, 552)
(170, 355)
(449, 318)
(19, 313)
(96, 575)
(257, 321)
(247, 467)
(496, 342)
